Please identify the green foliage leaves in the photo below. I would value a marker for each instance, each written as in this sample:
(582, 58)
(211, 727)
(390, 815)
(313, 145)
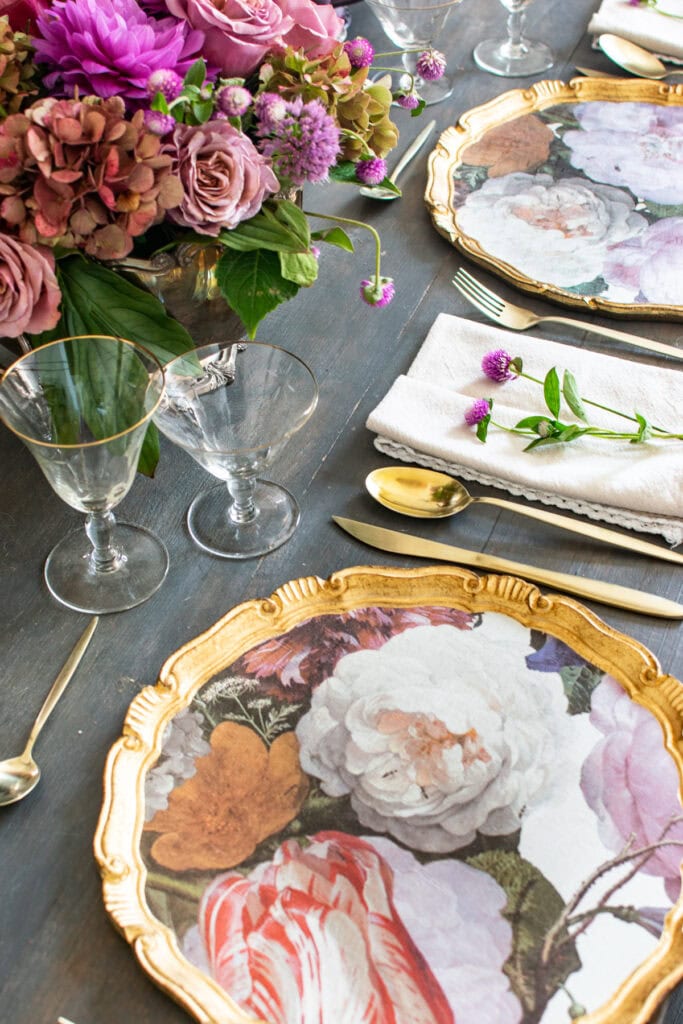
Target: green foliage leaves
(579, 681)
(533, 907)
(253, 284)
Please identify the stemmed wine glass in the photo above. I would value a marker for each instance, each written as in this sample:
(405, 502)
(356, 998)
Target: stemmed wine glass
(232, 406)
(416, 25)
(516, 55)
(81, 406)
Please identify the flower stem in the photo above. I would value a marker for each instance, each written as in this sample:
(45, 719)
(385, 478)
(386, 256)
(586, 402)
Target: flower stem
(357, 224)
(588, 401)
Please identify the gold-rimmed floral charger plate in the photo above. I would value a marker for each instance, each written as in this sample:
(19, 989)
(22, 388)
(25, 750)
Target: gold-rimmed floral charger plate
(571, 190)
(407, 796)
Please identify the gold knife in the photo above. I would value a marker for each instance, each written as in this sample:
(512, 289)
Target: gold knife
(594, 590)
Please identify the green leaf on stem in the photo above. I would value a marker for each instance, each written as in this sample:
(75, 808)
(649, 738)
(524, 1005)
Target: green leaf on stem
(202, 111)
(253, 285)
(572, 397)
(196, 74)
(345, 172)
(644, 429)
(543, 442)
(299, 267)
(483, 425)
(334, 236)
(278, 228)
(551, 391)
(418, 109)
(532, 422)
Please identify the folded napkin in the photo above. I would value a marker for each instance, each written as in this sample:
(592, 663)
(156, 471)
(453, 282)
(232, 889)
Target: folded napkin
(644, 25)
(421, 419)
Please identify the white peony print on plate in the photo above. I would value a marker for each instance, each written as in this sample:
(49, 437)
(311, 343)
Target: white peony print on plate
(571, 194)
(413, 816)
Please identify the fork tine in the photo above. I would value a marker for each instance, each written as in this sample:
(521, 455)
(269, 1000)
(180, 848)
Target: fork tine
(480, 290)
(480, 303)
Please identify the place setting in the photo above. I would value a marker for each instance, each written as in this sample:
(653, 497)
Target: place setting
(419, 764)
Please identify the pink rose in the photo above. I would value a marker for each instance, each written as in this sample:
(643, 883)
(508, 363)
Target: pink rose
(238, 33)
(631, 782)
(315, 933)
(224, 177)
(29, 293)
(317, 27)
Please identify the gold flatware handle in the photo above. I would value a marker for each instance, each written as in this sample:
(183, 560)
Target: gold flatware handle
(63, 679)
(609, 332)
(600, 533)
(594, 73)
(595, 590)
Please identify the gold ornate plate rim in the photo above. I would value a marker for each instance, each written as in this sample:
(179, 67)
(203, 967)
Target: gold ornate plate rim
(474, 123)
(117, 838)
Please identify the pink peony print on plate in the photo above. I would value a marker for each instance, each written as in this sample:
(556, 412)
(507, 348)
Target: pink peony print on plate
(413, 815)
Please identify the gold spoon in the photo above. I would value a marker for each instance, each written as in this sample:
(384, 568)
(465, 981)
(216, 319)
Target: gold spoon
(426, 494)
(19, 775)
(633, 58)
(380, 192)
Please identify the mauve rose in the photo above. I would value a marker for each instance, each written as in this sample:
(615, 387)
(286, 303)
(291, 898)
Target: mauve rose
(29, 293)
(237, 33)
(224, 177)
(317, 27)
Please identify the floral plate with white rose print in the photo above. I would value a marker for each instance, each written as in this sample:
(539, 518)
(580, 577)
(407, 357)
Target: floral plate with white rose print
(402, 797)
(571, 190)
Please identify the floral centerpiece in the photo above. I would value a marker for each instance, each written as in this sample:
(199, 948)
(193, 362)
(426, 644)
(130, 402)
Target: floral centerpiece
(132, 127)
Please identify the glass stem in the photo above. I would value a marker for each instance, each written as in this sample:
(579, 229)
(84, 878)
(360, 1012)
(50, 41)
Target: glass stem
(243, 507)
(515, 26)
(105, 556)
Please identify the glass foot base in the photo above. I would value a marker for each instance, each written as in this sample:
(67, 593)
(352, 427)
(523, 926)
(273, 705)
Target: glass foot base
(210, 525)
(500, 58)
(72, 582)
(430, 92)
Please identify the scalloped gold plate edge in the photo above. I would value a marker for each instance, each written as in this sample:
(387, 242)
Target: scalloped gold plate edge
(117, 839)
(473, 124)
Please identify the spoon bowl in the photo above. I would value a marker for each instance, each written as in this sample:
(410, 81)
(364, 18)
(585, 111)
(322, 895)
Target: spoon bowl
(19, 775)
(380, 191)
(633, 58)
(427, 494)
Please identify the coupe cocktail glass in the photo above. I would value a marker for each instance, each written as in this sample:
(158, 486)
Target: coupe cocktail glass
(233, 406)
(516, 55)
(417, 25)
(82, 406)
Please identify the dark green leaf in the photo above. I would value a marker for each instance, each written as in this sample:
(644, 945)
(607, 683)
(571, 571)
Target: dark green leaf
(551, 391)
(196, 74)
(541, 442)
(292, 217)
(579, 681)
(334, 236)
(533, 906)
(418, 109)
(344, 172)
(516, 364)
(279, 228)
(571, 432)
(299, 267)
(202, 110)
(253, 285)
(572, 397)
(149, 456)
(388, 184)
(531, 422)
(160, 103)
(483, 425)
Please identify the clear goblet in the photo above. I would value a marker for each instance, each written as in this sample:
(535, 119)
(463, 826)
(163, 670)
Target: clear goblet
(416, 25)
(232, 406)
(516, 55)
(82, 406)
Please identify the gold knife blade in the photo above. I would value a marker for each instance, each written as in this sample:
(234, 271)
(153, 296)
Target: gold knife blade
(595, 590)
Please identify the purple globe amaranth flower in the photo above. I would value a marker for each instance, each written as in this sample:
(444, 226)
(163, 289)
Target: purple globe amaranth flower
(270, 109)
(496, 365)
(360, 52)
(477, 412)
(377, 293)
(233, 100)
(408, 100)
(303, 144)
(111, 49)
(431, 65)
(371, 172)
(158, 123)
(167, 82)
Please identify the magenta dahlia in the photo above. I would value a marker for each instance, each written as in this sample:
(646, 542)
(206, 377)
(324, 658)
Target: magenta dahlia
(111, 49)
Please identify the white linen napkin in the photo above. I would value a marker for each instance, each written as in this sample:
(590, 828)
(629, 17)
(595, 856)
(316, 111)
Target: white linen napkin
(643, 25)
(421, 419)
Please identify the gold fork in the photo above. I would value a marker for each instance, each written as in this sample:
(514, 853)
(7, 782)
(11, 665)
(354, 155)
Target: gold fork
(519, 319)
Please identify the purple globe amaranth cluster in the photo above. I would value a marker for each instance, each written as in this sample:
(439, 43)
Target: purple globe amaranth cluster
(111, 49)
(372, 171)
(233, 100)
(167, 82)
(303, 144)
(408, 100)
(269, 109)
(477, 412)
(496, 365)
(360, 52)
(431, 65)
(378, 293)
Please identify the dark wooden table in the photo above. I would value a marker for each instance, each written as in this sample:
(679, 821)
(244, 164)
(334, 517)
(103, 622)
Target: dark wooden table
(59, 953)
